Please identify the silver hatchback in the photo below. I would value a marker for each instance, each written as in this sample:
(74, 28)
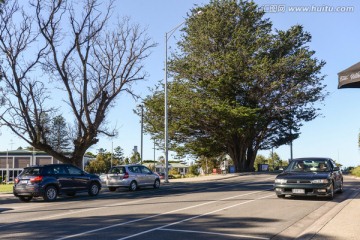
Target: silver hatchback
(132, 177)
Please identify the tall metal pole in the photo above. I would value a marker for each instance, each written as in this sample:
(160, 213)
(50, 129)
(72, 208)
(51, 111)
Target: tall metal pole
(112, 153)
(154, 156)
(167, 35)
(291, 147)
(166, 115)
(7, 166)
(142, 132)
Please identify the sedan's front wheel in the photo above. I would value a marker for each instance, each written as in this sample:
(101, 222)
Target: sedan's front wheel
(94, 189)
(157, 183)
(133, 186)
(331, 192)
(341, 189)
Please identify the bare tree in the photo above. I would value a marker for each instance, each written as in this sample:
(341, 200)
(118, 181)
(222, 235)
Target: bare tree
(59, 48)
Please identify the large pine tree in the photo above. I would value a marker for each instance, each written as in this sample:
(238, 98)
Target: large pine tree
(239, 85)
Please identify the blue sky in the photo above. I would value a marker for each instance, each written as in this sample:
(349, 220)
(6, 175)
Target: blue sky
(335, 38)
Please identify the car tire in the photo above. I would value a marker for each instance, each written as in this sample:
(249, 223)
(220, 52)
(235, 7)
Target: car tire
(50, 194)
(25, 198)
(133, 186)
(331, 194)
(157, 183)
(94, 189)
(112, 189)
(341, 189)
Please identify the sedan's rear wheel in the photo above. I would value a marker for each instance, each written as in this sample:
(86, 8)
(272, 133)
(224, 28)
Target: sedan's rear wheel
(25, 198)
(133, 186)
(50, 194)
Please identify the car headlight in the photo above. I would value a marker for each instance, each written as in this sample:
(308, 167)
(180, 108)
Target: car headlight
(320, 181)
(280, 181)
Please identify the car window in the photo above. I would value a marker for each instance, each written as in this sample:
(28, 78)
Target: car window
(34, 171)
(309, 165)
(73, 170)
(145, 170)
(60, 170)
(134, 169)
(49, 171)
(117, 170)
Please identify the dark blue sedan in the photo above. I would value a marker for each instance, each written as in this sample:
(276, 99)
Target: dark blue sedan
(310, 177)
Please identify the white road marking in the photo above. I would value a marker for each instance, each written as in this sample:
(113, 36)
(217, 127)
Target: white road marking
(157, 215)
(95, 208)
(214, 233)
(194, 217)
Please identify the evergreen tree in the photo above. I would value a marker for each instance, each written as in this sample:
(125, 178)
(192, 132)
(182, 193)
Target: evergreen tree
(239, 86)
(59, 137)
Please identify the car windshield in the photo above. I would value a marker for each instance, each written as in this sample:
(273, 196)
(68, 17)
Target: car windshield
(309, 165)
(117, 170)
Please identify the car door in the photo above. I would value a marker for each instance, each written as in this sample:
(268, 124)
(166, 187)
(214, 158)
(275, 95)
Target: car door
(78, 180)
(148, 175)
(137, 175)
(62, 176)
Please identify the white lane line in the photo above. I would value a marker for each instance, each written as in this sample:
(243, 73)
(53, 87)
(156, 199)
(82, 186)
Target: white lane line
(71, 212)
(214, 233)
(194, 217)
(106, 206)
(157, 215)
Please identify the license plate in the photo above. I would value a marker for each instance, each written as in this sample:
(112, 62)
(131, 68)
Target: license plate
(302, 191)
(24, 181)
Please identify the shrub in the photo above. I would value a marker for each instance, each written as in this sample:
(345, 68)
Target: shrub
(355, 171)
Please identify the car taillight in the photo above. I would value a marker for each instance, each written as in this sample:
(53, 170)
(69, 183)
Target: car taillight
(36, 179)
(17, 180)
(126, 175)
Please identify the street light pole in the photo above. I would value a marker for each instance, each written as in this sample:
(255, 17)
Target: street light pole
(142, 132)
(167, 36)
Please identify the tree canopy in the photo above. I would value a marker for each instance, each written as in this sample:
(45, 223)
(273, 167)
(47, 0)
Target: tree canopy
(68, 58)
(238, 86)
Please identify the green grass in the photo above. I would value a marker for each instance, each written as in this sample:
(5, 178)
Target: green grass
(6, 188)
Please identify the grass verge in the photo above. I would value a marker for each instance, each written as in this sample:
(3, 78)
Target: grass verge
(6, 188)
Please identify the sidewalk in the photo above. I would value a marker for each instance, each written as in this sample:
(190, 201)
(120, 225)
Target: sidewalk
(342, 222)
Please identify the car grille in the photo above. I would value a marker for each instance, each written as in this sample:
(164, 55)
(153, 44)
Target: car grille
(298, 181)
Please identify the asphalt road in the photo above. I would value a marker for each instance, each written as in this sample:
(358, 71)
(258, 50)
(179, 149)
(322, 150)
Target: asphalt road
(239, 207)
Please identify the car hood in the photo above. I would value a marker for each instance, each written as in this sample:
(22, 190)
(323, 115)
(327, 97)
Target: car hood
(304, 175)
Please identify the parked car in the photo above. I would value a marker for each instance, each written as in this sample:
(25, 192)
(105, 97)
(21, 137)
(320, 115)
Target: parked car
(132, 177)
(49, 181)
(310, 177)
(161, 175)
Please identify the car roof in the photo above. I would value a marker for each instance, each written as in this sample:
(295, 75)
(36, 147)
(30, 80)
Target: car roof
(128, 165)
(46, 165)
(310, 158)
